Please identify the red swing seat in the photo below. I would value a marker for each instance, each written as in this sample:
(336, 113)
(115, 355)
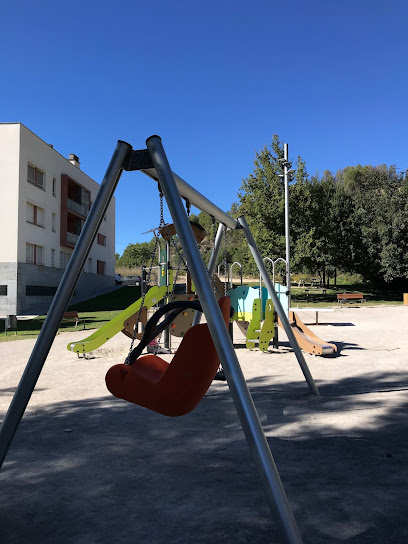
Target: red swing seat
(176, 388)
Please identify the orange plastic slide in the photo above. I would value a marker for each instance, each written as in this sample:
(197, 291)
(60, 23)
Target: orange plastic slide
(307, 340)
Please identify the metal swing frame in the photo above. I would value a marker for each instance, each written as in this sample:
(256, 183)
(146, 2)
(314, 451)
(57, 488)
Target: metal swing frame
(153, 162)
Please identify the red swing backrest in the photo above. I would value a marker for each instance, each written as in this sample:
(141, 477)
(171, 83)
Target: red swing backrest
(171, 389)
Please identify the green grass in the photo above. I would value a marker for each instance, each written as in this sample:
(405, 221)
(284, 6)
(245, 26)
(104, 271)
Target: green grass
(95, 312)
(100, 310)
(116, 300)
(373, 295)
(314, 297)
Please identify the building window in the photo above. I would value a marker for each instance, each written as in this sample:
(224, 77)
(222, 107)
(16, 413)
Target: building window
(64, 259)
(34, 254)
(101, 239)
(53, 258)
(3, 290)
(89, 264)
(54, 222)
(35, 215)
(35, 176)
(40, 291)
(54, 187)
(100, 267)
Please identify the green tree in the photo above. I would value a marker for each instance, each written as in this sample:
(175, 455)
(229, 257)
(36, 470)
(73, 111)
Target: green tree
(261, 200)
(310, 246)
(138, 254)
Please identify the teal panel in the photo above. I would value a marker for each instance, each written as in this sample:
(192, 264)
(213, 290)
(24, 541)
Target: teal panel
(242, 299)
(283, 297)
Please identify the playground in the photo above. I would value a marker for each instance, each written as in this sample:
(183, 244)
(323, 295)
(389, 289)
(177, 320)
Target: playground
(128, 474)
(88, 467)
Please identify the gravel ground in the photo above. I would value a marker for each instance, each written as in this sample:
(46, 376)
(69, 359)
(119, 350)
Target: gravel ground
(85, 467)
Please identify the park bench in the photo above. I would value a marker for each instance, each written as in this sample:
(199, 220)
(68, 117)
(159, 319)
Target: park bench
(72, 316)
(350, 297)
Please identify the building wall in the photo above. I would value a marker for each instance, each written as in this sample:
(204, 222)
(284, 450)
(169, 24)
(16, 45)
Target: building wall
(37, 286)
(18, 148)
(8, 282)
(9, 190)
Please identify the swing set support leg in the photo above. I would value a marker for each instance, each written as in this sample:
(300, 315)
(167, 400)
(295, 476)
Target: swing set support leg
(211, 263)
(278, 306)
(61, 300)
(247, 413)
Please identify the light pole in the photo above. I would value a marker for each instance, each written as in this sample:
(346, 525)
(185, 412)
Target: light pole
(286, 175)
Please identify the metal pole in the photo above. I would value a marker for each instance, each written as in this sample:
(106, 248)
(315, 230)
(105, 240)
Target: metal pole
(196, 199)
(167, 338)
(62, 297)
(275, 340)
(216, 249)
(278, 306)
(231, 267)
(258, 445)
(287, 224)
(212, 262)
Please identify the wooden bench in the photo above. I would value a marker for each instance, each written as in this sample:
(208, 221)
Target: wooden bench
(350, 297)
(72, 316)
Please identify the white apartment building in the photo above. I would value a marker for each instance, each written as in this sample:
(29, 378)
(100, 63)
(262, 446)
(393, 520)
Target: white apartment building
(45, 199)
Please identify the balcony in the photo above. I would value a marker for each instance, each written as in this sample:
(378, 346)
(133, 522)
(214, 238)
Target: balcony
(72, 238)
(80, 209)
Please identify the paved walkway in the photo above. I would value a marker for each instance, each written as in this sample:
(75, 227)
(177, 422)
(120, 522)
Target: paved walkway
(86, 467)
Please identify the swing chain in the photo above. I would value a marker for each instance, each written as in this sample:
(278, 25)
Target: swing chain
(127, 361)
(180, 261)
(214, 235)
(161, 206)
(220, 373)
(162, 224)
(172, 243)
(225, 262)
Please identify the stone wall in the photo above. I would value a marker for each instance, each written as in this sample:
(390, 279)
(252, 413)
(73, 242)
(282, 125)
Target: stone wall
(36, 286)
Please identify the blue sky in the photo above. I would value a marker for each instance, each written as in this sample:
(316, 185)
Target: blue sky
(214, 79)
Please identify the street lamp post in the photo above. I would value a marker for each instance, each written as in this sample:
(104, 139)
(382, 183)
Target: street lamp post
(287, 172)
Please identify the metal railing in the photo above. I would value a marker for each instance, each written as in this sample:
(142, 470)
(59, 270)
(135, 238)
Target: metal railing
(230, 272)
(81, 209)
(72, 238)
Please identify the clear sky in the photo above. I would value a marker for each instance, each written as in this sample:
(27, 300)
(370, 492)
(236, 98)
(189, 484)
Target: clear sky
(215, 79)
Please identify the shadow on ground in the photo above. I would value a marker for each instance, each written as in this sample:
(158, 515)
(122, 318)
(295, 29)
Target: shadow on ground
(103, 471)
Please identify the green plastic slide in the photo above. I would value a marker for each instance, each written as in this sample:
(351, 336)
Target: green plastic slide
(115, 325)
